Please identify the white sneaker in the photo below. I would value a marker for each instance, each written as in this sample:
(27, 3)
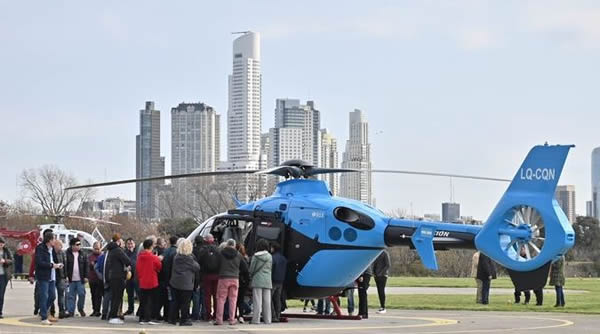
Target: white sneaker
(153, 323)
(116, 321)
(381, 311)
(46, 322)
(351, 314)
(143, 323)
(241, 320)
(305, 310)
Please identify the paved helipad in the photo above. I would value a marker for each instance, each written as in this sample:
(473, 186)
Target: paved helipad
(18, 319)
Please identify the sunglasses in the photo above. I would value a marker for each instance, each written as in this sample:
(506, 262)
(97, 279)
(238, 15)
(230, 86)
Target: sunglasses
(78, 244)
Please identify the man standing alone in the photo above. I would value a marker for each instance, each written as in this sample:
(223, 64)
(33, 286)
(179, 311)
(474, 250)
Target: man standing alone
(486, 272)
(381, 268)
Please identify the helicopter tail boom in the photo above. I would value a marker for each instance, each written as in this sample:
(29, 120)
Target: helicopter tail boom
(526, 231)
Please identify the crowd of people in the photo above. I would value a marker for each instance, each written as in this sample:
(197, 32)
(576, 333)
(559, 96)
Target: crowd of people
(176, 282)
(483, 269)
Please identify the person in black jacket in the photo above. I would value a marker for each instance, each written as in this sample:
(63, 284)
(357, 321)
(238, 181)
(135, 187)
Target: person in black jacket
(197, 295)
(277, 278)
(163, 293)
(77, 271)
(486, 271)
(46, 264)
(131, 286)
(381, 268)
(363, 286)
(6, 260)
(117, 265)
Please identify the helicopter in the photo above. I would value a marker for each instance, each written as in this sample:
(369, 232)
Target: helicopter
(62, 233)
(329, 241)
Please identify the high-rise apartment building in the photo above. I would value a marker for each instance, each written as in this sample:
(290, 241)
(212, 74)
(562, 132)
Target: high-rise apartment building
(299, 121)
(358, 156)
(596, 183)
(244, 116)
(450, 212)
(565, 196)
(149, 163)
(195, 138)
(329, 159)
(588, 208)
(244, 112)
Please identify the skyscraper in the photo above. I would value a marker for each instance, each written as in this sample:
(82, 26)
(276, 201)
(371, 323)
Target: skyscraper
(450, 212)
(565, 196)
(149, 163)
(244, 112)
(300, 139)
(357, 155)
(195, 142)
(596, 183)
(244, 115)
(588, 208)
(329, 159)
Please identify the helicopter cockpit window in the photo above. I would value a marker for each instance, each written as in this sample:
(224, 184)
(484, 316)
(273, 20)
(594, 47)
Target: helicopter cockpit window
(62, 238)
(353, 218)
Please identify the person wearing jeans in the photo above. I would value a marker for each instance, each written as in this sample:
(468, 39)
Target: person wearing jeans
(381, 268)
(486, 271)
(557, 278)
(5, 273)
(77, 270)
(45, 274)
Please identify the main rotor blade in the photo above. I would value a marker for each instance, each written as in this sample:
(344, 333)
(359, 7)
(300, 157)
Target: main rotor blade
(94, 220)
(167, 177)
(390, 171)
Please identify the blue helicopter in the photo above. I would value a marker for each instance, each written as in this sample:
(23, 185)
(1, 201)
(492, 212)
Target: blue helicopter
(329, 241)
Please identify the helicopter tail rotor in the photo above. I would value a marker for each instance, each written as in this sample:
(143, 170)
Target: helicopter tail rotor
(528, 230)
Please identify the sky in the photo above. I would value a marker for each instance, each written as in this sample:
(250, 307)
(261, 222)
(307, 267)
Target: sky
(465, 87)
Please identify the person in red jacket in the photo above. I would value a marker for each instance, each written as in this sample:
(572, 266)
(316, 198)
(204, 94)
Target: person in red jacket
(147, 268)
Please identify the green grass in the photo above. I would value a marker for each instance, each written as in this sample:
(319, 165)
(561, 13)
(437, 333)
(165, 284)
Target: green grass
(588, 303)
(576, 303)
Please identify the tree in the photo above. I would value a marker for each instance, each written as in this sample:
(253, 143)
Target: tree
(45, 186)
(177, 227)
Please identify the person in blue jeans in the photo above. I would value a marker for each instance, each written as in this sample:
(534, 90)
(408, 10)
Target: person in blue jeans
(5, 273)
(77, 268)
(45, 274)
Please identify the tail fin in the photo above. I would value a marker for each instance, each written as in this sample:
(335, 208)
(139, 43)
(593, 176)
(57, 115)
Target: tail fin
(528, 229)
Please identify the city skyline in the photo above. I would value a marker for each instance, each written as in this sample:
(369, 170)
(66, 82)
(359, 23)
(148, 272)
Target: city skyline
(444, 89)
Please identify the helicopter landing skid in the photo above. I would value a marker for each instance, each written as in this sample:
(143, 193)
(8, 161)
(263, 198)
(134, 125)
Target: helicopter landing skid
(336, 315)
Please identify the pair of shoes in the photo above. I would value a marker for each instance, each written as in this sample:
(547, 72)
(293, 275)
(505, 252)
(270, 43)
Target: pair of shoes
(556, 305)
(381, 311)
(233, 322)
(217, 324)
(538, 304)
(51, 318)
(122, 317)
(116, 321)
(62, 315)
(305, 310)
(185, 323)
(153, 323)
(35, 311)
(103, 317)
(129, 312)
(143, 323)
(172, 323)
(46, 322)
(525, 303)
(81, 313)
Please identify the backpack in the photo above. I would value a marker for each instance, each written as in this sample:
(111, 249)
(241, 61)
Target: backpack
(211, 260)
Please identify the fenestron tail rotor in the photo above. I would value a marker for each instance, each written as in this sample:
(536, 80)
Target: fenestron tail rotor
(528, 244)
